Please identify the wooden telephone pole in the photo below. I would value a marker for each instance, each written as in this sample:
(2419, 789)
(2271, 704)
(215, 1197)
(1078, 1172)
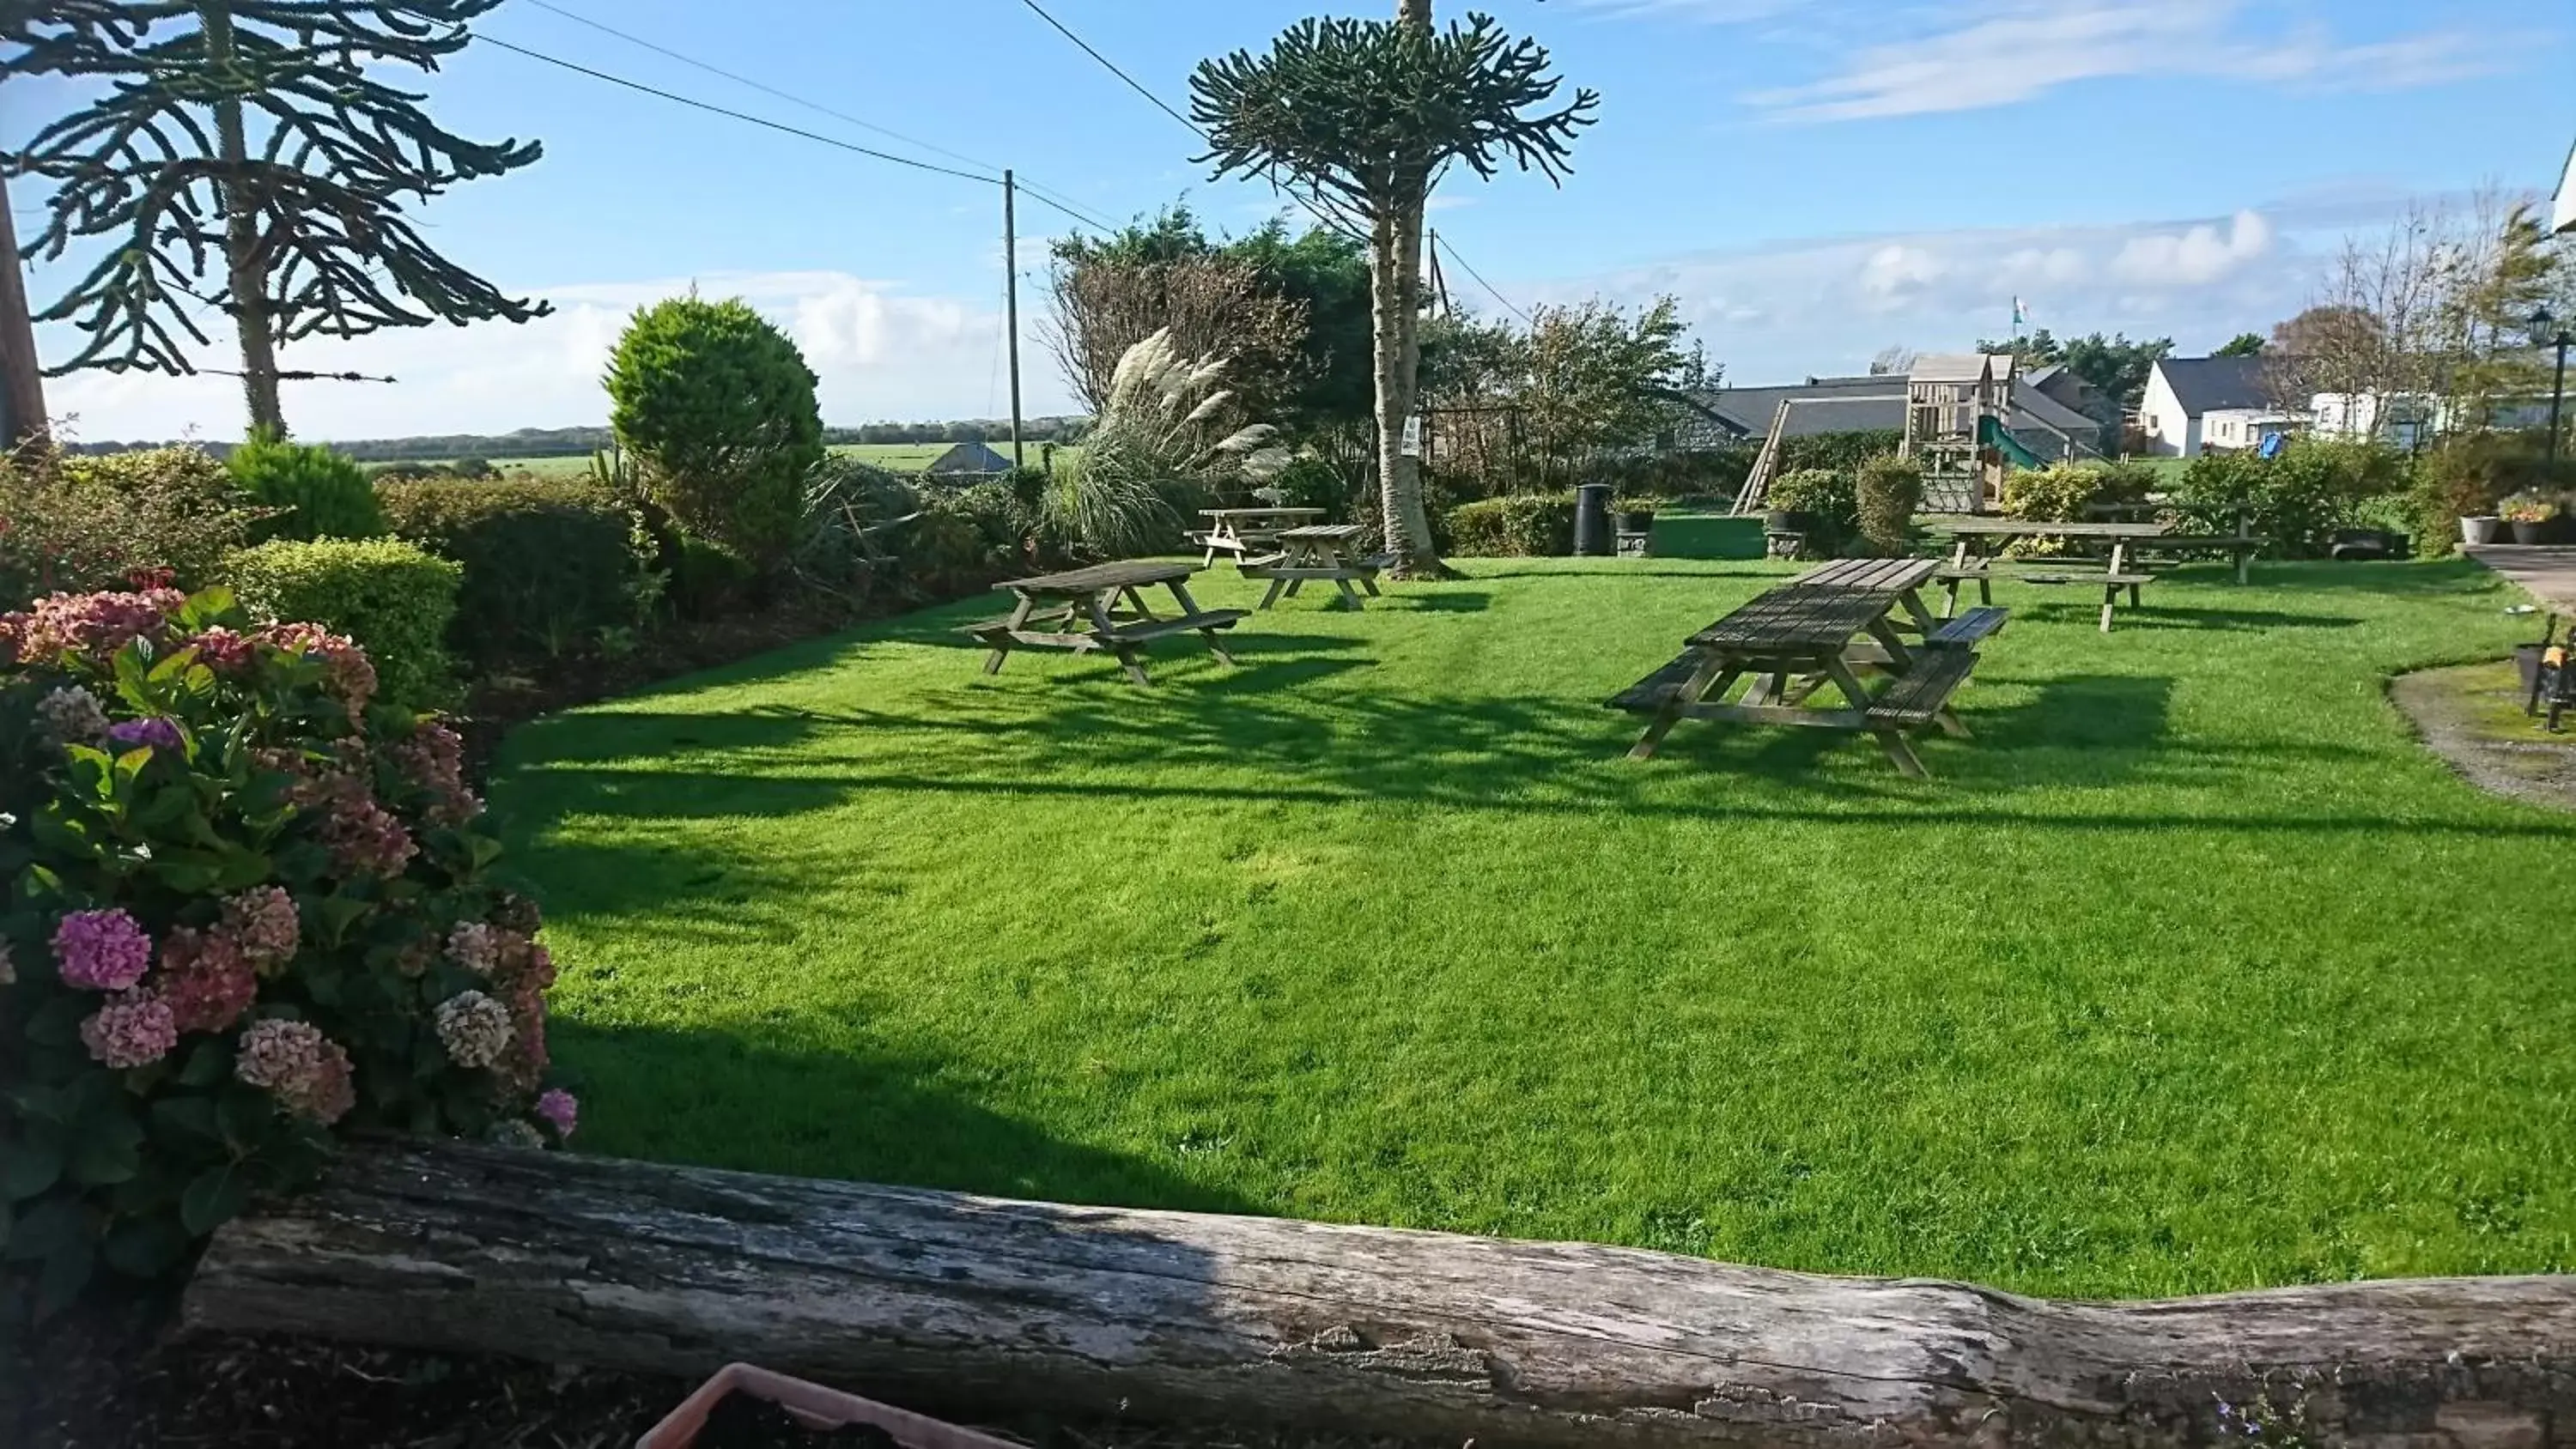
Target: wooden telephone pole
(22, 385)
(1011, 266)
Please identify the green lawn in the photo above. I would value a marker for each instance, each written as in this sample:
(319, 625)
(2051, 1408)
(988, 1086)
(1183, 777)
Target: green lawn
(2192, 972)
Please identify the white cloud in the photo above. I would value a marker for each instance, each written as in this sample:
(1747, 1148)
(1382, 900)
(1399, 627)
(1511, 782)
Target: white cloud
(1901, 60)
(1825, 305)
(881, 352)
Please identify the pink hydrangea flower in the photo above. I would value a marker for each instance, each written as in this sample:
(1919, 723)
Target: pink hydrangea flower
(476, 947)
(352, 676)
(8, 967)
(73, 715)
(434, 760)
(223, 650)
(264, 922)
(561, 1111)
(206, 978)
(132, 1030)
(102, 950)
(307, 1071)
(474, 1028)
(13, 633)
(95, 626)
(363, 836)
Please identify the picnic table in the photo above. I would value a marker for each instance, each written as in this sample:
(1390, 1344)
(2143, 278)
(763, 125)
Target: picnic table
(1978, 555)
(1315, 553)
(1093, 597)
(1831, 626)
(1248, 532)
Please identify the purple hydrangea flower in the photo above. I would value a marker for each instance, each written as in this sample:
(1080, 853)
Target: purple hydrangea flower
(102, 950)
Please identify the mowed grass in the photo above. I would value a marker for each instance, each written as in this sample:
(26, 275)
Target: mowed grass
(2192, 972)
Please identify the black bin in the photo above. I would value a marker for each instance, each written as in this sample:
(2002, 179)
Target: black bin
(1592, 538)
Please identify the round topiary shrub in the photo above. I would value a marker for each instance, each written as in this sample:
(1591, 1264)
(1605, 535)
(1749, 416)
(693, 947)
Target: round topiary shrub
(248, 909)
(322, 493)
(394, 598)
(1886, 491)
(718, 407)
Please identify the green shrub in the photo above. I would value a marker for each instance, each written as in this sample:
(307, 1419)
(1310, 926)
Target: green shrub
(2300, 500)
(1886, 492)
(717, 407)
(1827, 497)
(1528, 525)
(75, 524)
(324, 494)
(548, 563)
(395, 600)
(293, 935)
(2470, 475)
(1309, 482)
(707, 582)
(2068, 492)
(1840, 452)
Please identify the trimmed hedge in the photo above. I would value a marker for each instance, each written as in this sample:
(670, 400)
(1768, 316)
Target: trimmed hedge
(1887, 491)
(548, 563)
(326, 494)
(1536, 525)
(395, 600)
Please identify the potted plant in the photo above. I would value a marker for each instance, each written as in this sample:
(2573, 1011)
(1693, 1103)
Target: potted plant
(2479, 528)
(2529, 515)
(1636, 515)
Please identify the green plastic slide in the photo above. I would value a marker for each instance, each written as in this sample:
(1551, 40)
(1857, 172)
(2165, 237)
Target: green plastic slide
(1991, 433)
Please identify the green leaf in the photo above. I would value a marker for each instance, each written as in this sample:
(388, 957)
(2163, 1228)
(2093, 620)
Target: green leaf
(5, 1218)
(172, 667)
(48, 1228)
(246, 1116)
(215, 1197)
(146, 1247)
(57, 1023)
(107, 1148)
(187, 1119)
(65, 1274)
(34, 1164)
(208, 1063)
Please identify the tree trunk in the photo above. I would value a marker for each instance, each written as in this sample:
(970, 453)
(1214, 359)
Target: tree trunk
(22, 381)
(948, 1302)
(1395, 268)
(246, 267)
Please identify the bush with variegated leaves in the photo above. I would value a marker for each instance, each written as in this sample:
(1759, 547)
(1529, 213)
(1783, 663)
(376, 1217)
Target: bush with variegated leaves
(247, 907)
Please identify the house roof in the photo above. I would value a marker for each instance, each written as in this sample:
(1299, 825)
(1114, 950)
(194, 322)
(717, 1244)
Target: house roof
(1866, 404)
(970, 458)
(2215, 384)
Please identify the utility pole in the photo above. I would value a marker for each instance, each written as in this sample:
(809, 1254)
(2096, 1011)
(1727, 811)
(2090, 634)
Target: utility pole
(22, 386)
(1011, 265)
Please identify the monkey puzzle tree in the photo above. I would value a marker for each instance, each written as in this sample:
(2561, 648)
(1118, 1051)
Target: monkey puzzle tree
(247, 145)
(1369, 114)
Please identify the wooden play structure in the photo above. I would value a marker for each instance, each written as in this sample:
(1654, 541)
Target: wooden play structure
(1958, 425)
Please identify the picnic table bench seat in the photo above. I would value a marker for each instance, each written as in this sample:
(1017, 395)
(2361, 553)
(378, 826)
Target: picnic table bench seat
(1921, 695)
(1142, 631)
(1969, 629)
(1656, 690)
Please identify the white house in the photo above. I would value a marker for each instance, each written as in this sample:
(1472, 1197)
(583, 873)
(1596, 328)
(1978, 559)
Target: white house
(2183, 393)
(2237, 430)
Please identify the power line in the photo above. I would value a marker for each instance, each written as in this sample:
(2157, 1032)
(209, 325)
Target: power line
(1443, 243)
(815, 106)
(740, 115)
(1133, 84)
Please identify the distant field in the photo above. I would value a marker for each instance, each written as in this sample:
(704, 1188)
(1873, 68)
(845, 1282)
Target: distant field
(896, 457)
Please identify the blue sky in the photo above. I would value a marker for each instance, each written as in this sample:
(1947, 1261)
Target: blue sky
(1814, 179)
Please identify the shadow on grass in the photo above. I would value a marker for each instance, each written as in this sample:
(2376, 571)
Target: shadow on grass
(2153, 616)
(754, 1104)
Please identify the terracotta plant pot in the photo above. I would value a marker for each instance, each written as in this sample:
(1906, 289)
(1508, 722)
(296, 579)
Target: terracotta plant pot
(2479, 530)
(812, 1405)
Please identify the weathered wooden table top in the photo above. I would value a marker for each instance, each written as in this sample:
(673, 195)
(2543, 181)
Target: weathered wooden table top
(2042, 528)
(1891, 575)
(1131, 573)
(1322, 533)
(1798, 619)
(1261, 512)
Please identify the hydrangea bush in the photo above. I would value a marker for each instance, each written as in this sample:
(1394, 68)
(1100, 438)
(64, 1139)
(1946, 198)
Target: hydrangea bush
(246, 907)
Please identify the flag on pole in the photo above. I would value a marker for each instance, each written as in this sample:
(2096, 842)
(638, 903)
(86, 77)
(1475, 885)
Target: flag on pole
(2021, 314)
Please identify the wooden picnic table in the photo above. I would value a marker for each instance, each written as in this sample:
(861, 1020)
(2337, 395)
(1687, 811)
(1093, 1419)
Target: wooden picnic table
(1977, 555)
(1093, 596)
(1834, 626)
(1316, 553)
(1248, 532)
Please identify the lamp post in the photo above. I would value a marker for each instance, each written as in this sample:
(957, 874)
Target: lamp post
(2546, 331)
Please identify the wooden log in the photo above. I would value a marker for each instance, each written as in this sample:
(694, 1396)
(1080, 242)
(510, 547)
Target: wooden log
(945, 1301)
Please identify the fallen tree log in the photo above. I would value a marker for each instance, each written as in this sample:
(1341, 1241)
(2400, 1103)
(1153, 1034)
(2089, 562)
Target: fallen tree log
(946, 1301)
